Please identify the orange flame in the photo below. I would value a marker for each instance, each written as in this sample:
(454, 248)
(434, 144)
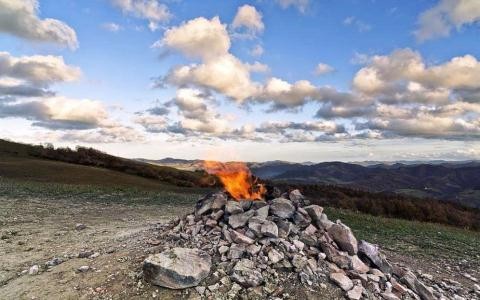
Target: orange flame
(237, 179)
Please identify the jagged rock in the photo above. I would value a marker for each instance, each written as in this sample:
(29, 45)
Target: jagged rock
(240, 219)
(357, 276)
(233, 207)
(223, 249)
(310, 230)
(398, 287)
(342, 281)
(204, 205)
(80, 226)
(284, 228)
(34, 270)
(315, 212)
(177, 268)
(282, 208)
(299, 261)
(83, 269)
(357, 265)
(219, 201)
(217, 215)
(284, 235)
(253, 249)
(239, 238)
(236, 251)
(255, 225)
(355, 293)
(308, 239)
(245, 274)
(54, 262)
(262, 212)
(269, 229)
(85, 253)
(302, 220)
(298, 245)
(343, 236)
(324, 222)
(295, 196)
(211, 223)
(411, 281)
(372, 253)
(274, 256)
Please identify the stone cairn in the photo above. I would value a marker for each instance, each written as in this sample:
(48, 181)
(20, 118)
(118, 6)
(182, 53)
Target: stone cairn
(229, 249)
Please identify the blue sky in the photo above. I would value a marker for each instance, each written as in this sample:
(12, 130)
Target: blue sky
(400, 79)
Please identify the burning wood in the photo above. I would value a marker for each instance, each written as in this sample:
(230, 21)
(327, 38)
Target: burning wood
(236, 179)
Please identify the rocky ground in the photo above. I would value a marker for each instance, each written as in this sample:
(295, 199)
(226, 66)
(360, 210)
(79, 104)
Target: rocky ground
(45, 255)
(229, 249)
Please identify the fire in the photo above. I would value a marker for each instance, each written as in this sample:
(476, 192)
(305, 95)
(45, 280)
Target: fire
(237, 179)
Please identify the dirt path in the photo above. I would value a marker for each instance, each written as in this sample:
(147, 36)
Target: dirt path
(36, 230)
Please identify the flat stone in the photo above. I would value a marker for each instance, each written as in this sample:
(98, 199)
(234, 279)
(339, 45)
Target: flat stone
(343, 236)
(342, 281)
(282, 208)
(240, 219)
(269, 229)
(355, 293)
(233, 207)
(239, 238)
(177, 268)
(357, 265)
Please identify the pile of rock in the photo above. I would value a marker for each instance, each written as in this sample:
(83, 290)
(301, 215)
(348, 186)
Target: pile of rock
(249, 249)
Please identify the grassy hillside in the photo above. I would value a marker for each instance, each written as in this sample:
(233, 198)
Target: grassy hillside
(88, 166)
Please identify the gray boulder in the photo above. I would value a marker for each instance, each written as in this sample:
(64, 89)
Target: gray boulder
(177, 268)
(282, 208)
(343, 236)
(373, 254)
(233, 207)
(240, 219)
(269, 229)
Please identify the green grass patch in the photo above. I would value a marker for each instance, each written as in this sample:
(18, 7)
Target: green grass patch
(411, 237)
(95, 193)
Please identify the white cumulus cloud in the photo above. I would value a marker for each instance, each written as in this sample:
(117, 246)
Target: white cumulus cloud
(20, 18)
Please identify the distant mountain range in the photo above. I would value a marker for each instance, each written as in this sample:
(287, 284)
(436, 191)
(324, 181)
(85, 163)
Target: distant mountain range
(455, 181)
